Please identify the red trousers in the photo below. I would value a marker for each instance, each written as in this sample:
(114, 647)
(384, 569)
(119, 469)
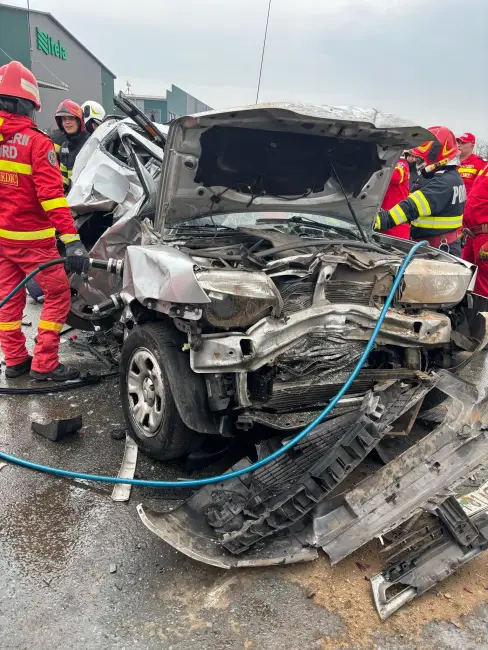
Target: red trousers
(471, 254)
(15, 264)
(402, 231)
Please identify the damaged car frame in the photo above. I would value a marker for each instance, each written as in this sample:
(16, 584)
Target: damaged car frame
(114, 185)
(247, 305)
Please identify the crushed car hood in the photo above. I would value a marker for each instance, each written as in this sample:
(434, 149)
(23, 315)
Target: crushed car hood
(282, 157)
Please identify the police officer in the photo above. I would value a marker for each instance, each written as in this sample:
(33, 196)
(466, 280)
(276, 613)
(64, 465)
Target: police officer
(69, 118)
(32, 209)
(434, 212)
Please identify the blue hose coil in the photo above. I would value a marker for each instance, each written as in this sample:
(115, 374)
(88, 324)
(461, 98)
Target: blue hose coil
(264, 461)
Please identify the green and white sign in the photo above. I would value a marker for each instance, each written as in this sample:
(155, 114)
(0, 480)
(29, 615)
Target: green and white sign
(46, 44)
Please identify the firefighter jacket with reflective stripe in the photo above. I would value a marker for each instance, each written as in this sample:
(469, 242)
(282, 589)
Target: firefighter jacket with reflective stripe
(67, 153)
(469, 169)
(32, 202)
(398, 189)
(435, 209)
(476, 212)
(58, 137)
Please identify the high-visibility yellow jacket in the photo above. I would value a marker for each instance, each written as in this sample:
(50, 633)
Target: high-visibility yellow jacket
(435, 209)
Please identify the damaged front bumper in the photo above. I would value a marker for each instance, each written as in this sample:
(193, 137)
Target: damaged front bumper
(270, 337)
(301, 502)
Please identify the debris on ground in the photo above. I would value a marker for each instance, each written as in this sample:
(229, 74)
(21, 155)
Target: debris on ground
(118, 434)
(56, 430)
(342, 589)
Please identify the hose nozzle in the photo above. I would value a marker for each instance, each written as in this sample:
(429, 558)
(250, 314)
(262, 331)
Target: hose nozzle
(112, 304)
(116, 267)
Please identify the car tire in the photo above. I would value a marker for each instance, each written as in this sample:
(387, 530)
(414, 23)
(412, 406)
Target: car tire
(147, 402)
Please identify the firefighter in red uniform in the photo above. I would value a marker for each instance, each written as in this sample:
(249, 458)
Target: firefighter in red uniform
(471, 164)
(435, 212)
(476, 230)
(32, 209)
(397, 191)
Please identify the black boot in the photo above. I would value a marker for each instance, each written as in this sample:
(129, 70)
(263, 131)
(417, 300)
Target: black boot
(60, 373)
(19, 369)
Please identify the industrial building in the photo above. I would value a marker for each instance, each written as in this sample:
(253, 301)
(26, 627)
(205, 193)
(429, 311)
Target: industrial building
(63, 66)
(165, 108)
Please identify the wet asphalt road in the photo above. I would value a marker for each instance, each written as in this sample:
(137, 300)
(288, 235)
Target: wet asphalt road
(58, 540)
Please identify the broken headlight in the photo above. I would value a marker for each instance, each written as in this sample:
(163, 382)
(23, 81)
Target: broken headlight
(238, 298)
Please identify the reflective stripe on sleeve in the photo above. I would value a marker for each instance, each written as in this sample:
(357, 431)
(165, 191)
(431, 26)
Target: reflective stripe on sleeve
(402, 173)
(439, 223)
(421, 202)
(50, 325)
(19, 168)
(398, 215)
(67, 239)
(52, 204)
(66, 173)
(27, 236)
(10, 326)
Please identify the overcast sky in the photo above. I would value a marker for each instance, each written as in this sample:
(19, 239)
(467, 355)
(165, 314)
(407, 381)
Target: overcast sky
(426, 60)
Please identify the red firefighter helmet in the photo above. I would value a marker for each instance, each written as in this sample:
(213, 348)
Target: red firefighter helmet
(69, 108)
(17, 81)
(441, 150)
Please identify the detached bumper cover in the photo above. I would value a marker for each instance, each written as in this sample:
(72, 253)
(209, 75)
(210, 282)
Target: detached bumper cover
(215, 525)
(431, 552)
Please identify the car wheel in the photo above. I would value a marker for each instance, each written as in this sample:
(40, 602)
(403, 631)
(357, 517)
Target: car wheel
(149, 408)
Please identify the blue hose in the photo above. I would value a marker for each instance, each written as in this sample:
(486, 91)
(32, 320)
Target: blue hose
(264, 461)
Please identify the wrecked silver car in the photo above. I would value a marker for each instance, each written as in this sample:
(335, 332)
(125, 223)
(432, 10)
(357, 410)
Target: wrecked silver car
(246, 308)
(114, 186)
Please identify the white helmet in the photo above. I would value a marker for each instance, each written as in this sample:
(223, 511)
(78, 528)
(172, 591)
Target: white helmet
(93, 114)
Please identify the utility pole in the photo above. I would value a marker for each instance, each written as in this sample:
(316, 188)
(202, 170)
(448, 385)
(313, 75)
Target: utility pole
(262, 54)
(29, 25)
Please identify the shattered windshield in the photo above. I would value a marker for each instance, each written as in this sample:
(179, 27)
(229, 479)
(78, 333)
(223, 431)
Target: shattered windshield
(292, 222)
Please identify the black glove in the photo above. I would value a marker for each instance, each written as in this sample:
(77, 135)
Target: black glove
(76, 258)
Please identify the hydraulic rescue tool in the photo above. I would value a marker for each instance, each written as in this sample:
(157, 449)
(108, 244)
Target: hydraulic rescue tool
(111, 266)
